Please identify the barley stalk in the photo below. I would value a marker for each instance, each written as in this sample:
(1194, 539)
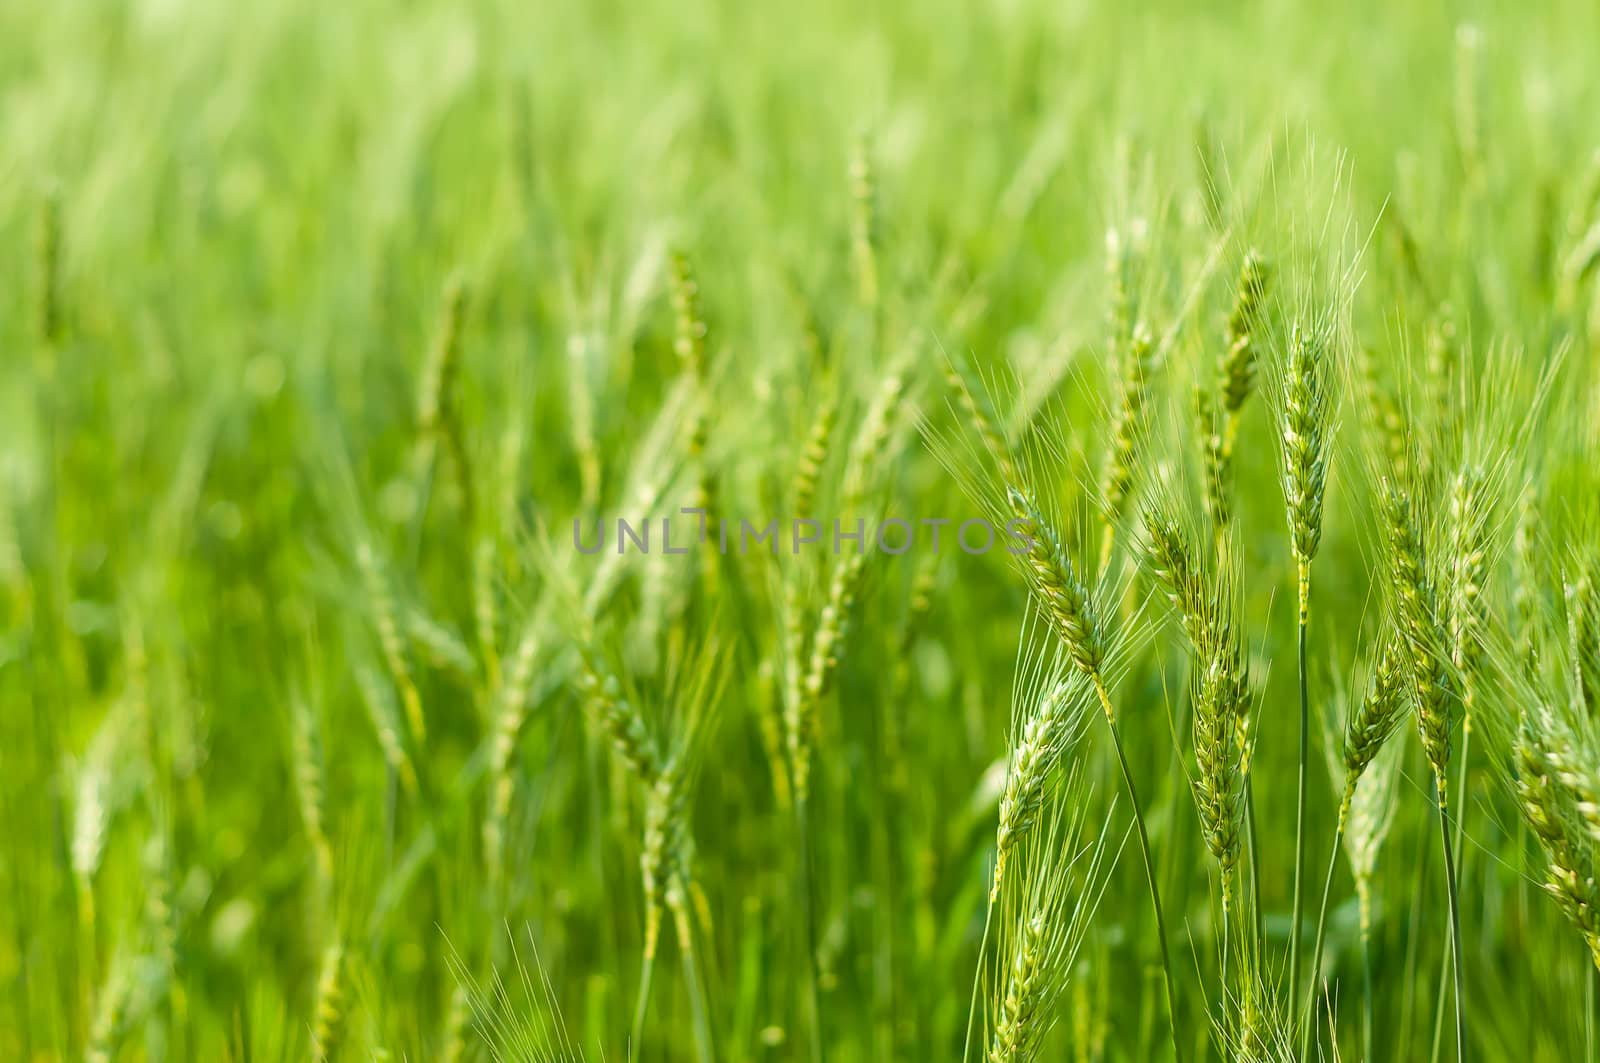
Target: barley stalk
(1306, 425)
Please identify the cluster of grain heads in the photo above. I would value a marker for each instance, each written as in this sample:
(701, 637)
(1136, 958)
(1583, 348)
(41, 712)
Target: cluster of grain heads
(1044, 916)
(1072, 613)
(1558, 788)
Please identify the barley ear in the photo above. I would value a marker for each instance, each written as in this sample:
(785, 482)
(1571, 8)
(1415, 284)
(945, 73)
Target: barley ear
(1426, 643)
(1307, 431)
(1067, 602)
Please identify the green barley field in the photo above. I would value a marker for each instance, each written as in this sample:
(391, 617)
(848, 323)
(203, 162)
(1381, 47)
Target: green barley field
(671, 530)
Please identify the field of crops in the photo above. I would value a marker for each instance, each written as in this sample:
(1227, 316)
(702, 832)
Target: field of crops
(678, 530)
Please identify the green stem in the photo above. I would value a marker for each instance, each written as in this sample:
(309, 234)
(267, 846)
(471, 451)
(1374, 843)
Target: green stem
(647, 966)
(1300, 786)
(1149, 866)
(977, 977)
(1310, 1011)
(1366, 970)
(808, 905)
(1411, 980)
(1227, 1027)
(1461, 806)
(704, 1050)
(1255, 857)
(1455, 926)
(1588, 1012)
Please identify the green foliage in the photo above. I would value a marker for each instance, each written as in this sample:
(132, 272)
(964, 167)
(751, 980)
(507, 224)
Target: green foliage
(333, 337)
